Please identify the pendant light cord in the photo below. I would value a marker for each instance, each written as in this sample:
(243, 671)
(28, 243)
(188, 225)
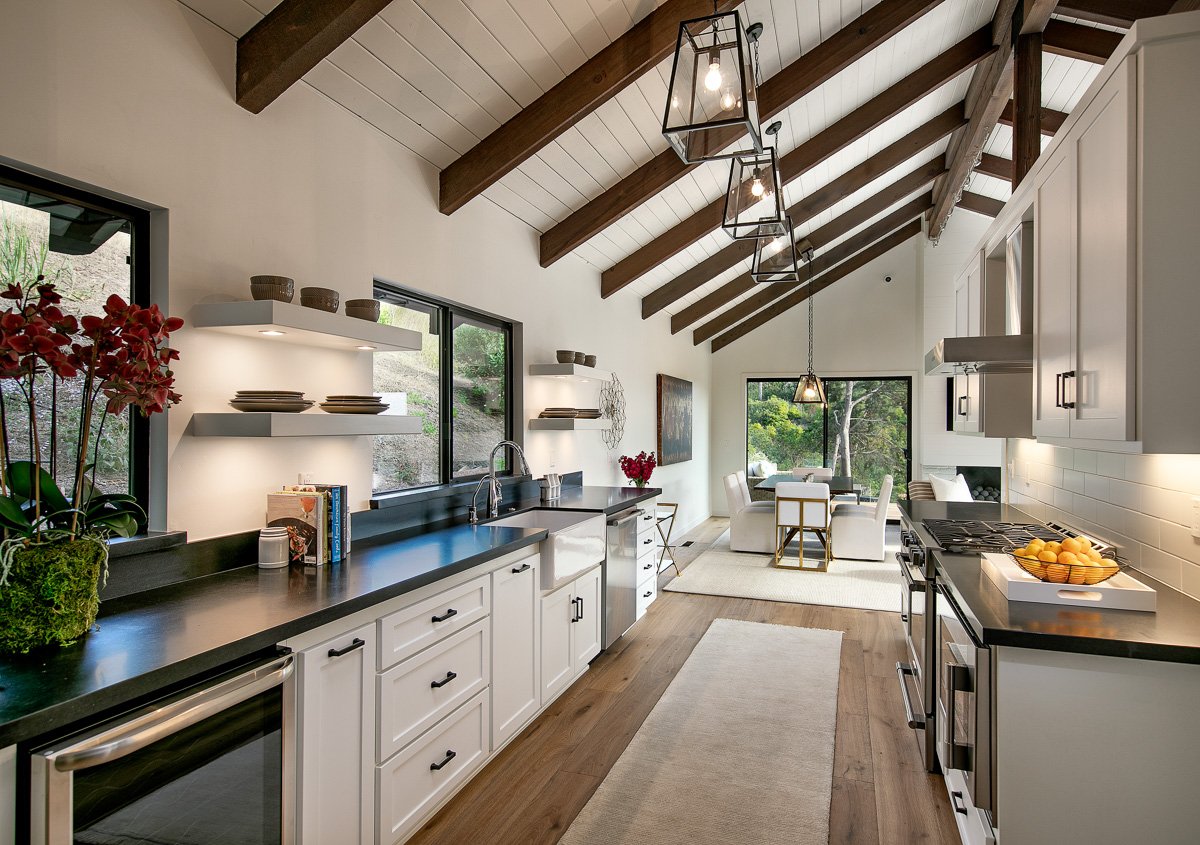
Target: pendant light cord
(810, 313)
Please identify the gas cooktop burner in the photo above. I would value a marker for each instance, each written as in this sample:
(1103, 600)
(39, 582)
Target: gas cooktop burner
(975, 535)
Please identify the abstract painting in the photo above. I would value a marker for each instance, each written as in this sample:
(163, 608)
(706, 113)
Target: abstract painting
(674, 420)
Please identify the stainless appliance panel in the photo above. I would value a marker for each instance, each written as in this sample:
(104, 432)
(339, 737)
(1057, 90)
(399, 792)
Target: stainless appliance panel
(620, 576)
(965, 719)
(917, 678)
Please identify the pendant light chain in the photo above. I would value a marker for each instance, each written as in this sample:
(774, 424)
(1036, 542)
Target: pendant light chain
(810, 313)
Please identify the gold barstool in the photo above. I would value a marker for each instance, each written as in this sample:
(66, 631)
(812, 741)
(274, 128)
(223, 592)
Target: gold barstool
(667, 549)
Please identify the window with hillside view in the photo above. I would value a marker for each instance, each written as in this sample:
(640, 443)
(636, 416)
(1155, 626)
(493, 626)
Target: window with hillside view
(865, 432)
(459, 385)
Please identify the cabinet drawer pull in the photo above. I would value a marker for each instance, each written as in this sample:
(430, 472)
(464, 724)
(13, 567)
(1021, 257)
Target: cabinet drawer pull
(354, 643)
(519, 569)
(450, 676)
(956, 800)
(450, 755)
(648, 566)
(647, 594)
(445, 616)
(648, 517)
(647, 541)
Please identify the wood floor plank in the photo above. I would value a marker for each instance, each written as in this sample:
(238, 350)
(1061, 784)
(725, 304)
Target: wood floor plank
(852, 813)
(852, 748)
(852, 681)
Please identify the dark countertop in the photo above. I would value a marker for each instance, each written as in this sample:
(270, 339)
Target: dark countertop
(148, 642)
(1171, 633)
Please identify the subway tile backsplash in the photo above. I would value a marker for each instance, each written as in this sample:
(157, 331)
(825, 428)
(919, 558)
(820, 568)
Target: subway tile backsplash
(1146, 504)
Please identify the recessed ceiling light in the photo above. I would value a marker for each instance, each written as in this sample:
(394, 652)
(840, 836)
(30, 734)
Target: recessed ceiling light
(365, 348)
(270, 332)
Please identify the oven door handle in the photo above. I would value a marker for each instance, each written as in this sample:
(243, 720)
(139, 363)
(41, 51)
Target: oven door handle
(905, 562)
(904, 671)
(124, 739)
(958, 678)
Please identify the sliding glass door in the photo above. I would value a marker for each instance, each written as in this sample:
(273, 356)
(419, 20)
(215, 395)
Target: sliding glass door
(866, 431)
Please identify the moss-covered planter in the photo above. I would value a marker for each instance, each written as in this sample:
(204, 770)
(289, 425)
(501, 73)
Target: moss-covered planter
(52, 594)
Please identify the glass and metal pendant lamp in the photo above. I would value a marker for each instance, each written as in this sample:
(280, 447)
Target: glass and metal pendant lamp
(775, 257)
(810, 390)
(754, 199)
(712, 100)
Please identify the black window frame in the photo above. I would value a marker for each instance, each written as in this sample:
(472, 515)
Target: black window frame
(140, 240)
(446, 311)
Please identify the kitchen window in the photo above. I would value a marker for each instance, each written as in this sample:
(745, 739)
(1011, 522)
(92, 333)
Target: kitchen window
(94, 247)
(460, 385)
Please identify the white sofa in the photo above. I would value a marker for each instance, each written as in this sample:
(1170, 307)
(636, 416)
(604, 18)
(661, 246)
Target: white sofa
(857, 531)
(751, 524)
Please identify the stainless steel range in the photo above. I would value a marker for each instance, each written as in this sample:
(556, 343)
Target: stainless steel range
(964, 537)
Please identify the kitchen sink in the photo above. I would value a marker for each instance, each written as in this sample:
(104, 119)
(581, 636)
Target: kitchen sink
(576, 542)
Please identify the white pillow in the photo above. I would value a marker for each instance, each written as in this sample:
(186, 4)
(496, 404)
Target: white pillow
(767, 468)
(752, 470)
(950, 489)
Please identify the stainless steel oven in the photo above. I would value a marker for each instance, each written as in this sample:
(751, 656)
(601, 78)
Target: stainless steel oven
(917, 677)
(211, 764)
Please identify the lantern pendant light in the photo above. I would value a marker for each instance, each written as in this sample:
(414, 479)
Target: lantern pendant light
(712, 99)
(754, 198)
(775, 257)
(810, 390)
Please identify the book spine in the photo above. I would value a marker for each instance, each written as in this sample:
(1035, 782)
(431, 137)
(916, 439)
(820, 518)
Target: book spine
(335, 519)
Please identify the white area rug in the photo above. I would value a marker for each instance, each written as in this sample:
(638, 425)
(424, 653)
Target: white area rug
(738, 750)
(869, 585)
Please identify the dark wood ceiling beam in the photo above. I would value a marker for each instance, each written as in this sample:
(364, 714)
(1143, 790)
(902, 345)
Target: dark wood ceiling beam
(820, 237)
(986, 96)
(1120, 13)
(959, 58)
(995, 166)
(1027, 104)
(797, 297)
(807, 73)
(1052, 119)
(801, 212)
(987, 206)
(1036, 15)
(1185, 6)
(290, 41)
(1080, 42)
(768, 293)
(583, 90)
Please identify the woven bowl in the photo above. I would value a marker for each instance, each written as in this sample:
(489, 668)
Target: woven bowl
(363, 309)
(323, 299)
(589, 360)
(565, 356)
(280, 288)
(1068, 573)
(579, 357)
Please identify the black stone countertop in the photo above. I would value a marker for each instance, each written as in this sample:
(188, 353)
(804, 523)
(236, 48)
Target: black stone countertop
(1171, 633)
(152, 641)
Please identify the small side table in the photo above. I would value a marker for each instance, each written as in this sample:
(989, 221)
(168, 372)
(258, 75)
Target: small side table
(665, 513)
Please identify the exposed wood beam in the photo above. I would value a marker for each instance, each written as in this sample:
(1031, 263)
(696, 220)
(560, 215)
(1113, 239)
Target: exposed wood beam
(766, 294)
(1052, 119)
(852, 180)
(1185, 6)
(1027, 104)
(811, 70)
(1036, 15)
(1080, 42)
(996, 166)
(1120, 13)
(797, 297)
(968, 52)
(980, 204)
(290, 41)
(584, 90)
(986, 96)
(831, 231)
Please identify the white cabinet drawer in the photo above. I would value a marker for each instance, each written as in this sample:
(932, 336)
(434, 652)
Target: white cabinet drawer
(424, 688)
(647, 566)
(405, 632)
(412, 782)
(646, 520)
(647, 592)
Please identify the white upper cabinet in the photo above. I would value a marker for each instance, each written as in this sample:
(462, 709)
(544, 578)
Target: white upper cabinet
(967, 323)
(1054, 234)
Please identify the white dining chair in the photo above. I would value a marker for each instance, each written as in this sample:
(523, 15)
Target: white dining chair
(801, 507)
(816, 473)
(857, 532)
(751, 527)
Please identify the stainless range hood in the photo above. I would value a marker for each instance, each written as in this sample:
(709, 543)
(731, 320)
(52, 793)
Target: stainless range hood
(1011, 352)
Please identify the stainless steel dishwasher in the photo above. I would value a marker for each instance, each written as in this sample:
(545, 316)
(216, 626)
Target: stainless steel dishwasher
(620, 575)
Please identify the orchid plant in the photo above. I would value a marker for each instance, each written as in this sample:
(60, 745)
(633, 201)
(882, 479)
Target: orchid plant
(121, 359)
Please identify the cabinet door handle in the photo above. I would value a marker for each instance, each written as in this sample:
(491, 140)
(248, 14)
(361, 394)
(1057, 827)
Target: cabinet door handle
(450, 755)
(575, 610)
(445, 616)
(518, 570)
(647, 594)
(961, 400)
(1069, 374)
(956, 800)
(354, 644)
(1058, 380)
(450, 676)
(580, 600)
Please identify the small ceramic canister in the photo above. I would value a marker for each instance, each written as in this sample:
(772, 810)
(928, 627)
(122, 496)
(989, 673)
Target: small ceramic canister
(273, 545)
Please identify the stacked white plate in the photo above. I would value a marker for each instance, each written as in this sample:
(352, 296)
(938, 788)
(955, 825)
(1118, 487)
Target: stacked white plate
(353, 404)
(277, 401)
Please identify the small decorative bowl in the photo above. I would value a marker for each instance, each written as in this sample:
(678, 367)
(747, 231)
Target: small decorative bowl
(279, 288)
(565, 356)
(363, 309)
(1068, 573)
(579, 357)
(323, 299)
(589, 360)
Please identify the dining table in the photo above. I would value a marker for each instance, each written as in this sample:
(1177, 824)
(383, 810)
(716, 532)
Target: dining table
(839, 485)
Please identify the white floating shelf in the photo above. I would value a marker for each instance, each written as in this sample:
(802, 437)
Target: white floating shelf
(307, 424)
(570, 424)
(575, 371)
(297, 324)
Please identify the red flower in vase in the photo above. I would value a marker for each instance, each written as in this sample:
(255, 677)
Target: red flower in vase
(639, 468)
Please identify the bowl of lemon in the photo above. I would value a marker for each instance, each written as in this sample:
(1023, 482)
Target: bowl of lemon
(1071, 560)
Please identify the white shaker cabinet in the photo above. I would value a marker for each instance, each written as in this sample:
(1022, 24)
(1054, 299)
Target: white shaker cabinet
(336, 737)
(586, 631)
(967, 323)
(571, 622)
(1054, 234)
(516, 662)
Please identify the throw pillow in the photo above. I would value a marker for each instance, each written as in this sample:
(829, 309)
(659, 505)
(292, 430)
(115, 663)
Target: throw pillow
(950, 489)
(768, 469)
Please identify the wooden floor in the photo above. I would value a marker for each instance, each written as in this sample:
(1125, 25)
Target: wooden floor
(533, 790)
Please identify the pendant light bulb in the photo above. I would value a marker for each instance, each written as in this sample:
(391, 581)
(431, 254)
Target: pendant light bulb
(713, 79)
(728, 101)
(756, 187)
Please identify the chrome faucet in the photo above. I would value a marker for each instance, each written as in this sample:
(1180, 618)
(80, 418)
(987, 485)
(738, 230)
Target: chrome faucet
(495, 494)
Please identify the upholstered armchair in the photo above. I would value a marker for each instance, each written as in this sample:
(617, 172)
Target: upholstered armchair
(751, 524)
(801, 506)
(857, 531)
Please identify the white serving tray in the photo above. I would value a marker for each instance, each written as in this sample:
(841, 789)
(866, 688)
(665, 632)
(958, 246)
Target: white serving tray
(1120, 592)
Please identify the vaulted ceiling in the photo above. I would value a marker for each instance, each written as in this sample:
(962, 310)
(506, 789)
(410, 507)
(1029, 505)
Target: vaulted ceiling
(552, 110)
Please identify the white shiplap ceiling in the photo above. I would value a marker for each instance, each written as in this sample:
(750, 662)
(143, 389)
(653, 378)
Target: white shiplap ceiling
(440, 75)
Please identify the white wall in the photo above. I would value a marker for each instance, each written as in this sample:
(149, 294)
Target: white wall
(863, 327)
(136, 97)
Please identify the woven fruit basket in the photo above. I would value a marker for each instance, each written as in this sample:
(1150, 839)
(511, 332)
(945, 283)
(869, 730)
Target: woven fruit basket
(1087, 574)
